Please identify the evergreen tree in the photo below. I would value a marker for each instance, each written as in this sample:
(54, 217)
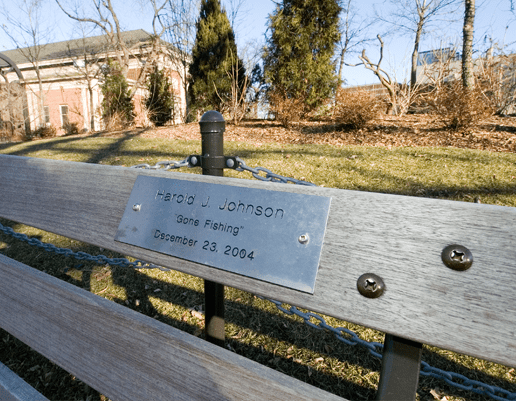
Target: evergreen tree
(117, 105)
(214, 59)
(160, 101)
(298, 56)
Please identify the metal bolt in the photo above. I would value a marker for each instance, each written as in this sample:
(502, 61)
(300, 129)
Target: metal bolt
(193, 160)
(137, 207)
(457, 257)
(303, 238)
(370, 285)
(230, 163)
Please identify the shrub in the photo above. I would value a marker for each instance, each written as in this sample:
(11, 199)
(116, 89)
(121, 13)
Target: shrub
(117, 104)
(354, 109)
(495, 75)
(286, 109)
(160, 101)
(71, 129)
(459, 108)
(44, 131)
(116, 122)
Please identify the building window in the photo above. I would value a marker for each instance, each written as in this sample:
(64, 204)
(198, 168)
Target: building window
(64, 115)
(46, 114)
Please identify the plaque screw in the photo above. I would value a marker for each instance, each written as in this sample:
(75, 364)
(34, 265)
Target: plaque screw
(230, 163)
(137, 207)
(303, 238)
(457, 257)
(370, 285)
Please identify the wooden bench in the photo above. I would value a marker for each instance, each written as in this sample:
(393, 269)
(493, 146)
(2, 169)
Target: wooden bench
(399, 239)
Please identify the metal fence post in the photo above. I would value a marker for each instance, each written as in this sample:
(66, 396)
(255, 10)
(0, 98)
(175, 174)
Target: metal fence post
(212, 133)
(401, 364)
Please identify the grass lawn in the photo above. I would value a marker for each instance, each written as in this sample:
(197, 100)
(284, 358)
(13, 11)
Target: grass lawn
(254, 327)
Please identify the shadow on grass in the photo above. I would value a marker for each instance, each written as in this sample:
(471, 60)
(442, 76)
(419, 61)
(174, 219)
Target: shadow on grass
(72, 145)
(396, 184)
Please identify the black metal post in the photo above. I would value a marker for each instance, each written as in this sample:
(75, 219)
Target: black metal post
(401, 363)
(212, 133)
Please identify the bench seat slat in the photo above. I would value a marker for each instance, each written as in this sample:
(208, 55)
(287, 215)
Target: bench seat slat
(126, 355)
(398, 238)
(14, 388)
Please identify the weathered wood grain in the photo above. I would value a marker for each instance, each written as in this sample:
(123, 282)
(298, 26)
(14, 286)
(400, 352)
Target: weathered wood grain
(13, 388)
(126, 355)
(399, 238)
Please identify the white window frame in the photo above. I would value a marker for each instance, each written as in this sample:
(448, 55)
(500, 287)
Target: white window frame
(46, 115)
(61, 108)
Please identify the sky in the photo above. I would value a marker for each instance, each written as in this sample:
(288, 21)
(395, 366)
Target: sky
(493, 20)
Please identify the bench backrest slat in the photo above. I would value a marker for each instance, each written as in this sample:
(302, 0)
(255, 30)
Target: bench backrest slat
(396, 237)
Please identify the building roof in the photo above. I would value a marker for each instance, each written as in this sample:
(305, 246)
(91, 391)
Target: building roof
(76, 47)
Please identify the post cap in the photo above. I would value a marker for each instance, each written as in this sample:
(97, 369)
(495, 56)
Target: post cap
(212, 121)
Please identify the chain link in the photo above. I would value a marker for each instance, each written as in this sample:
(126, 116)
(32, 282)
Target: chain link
(165, 165)
(351, 338)
(342, 334)
(462, 382)
(269, 175)
(242, 166)
(100, 259)
(453, 379)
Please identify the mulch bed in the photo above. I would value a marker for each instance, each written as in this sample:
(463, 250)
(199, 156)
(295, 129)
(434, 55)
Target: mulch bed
(495, 134)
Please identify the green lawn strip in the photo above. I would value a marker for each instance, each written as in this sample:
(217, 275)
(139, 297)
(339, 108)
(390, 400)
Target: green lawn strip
(254, 327)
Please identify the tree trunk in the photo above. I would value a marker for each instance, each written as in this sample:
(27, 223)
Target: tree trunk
(341, 66)
(92, 111)
(467, 45)
(415, 53)
(41, 100)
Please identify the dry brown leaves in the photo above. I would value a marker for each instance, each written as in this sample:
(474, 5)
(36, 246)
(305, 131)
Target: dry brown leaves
(494, 134)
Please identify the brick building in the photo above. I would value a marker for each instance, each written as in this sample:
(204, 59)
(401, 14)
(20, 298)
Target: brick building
(68, 91)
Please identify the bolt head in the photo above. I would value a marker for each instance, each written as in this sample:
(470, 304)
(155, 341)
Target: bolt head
(370, 285)
(303, 239)
(137, 207)
(457, 257)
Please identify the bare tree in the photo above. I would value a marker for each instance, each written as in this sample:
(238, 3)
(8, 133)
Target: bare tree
(353, 31)
(468, 79)
(416, 17)
(254, 82)
(105, 18)
(29, 32)
(12, 101)
(236, 103)
(180, 20)
(86, 59)
(401, 96)
(235, 12)
(256, 90)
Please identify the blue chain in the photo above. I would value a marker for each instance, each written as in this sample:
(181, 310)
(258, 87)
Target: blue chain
(453, 379)
(352, 338)
(100, 259)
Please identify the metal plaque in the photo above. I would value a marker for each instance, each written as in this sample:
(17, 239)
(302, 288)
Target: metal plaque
(268, 235)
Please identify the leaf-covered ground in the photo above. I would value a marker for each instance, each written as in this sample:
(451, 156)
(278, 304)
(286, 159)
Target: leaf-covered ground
(495, 134)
